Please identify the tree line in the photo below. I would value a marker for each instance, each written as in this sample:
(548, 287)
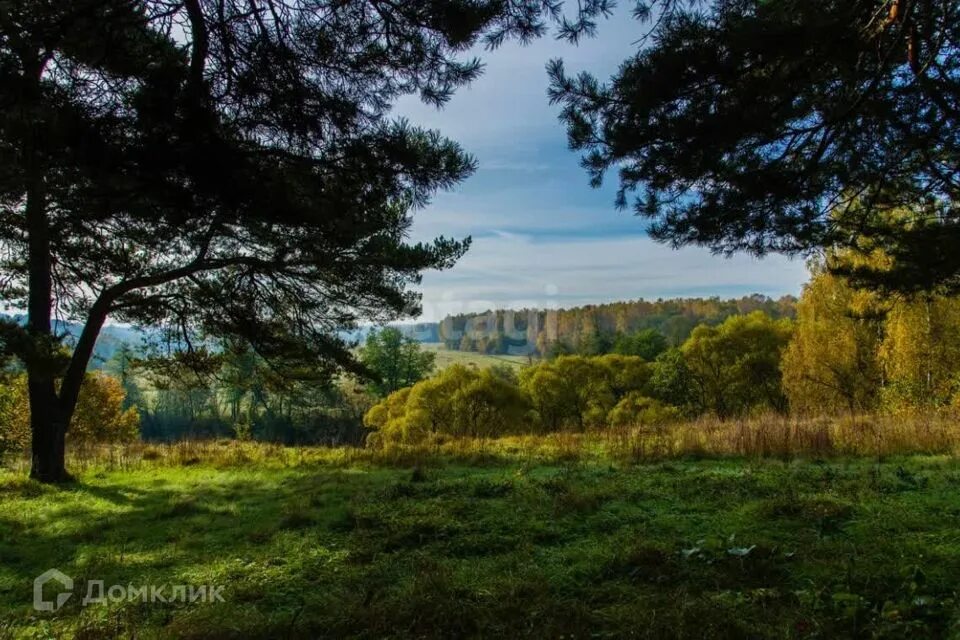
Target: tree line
(221, 389)
(849, 351)
(617, 327)
(728, 369)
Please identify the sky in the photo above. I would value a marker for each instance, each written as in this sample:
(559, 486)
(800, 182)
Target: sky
(542, 237)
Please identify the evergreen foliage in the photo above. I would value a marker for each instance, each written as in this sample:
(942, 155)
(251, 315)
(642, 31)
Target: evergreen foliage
(751, 126)
(227, 166)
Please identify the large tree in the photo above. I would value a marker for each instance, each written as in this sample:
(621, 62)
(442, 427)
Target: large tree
(223, 166)
(735, 367)
(786, 125)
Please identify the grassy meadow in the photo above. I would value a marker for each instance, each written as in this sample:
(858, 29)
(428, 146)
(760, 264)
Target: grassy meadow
(446, 357)
(543, 537)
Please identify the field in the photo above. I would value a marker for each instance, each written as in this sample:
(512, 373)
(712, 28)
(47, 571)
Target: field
(487, 541)
(446, 357)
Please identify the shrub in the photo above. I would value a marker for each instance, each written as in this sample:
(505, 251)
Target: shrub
(14, 419)
(458, 401)
(635, 409)
(579, 392)
(99, 416)
(568, 393)
(489, 406)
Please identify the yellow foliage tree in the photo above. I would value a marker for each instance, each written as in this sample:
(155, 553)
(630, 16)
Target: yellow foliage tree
(831, 363)
(99, 416)
(920, 353)
(855, 350)
(14, 415)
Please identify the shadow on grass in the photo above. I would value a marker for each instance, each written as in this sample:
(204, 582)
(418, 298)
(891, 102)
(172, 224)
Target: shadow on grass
(686, 549)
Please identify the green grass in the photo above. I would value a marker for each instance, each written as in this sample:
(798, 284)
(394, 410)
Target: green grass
(446, 357)
(680, 549)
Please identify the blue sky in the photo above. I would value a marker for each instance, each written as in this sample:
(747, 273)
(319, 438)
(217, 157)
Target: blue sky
(541, 235)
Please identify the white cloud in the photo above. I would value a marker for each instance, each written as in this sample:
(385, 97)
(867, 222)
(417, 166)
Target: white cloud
(514, 271)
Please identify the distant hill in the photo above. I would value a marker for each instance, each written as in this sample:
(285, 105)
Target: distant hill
(536, 331)
(114, 336)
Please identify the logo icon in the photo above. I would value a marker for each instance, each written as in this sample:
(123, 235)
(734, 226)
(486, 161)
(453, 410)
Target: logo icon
(51, 574)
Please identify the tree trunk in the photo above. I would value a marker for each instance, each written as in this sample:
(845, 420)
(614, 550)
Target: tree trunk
(49, 433)
(48, 423)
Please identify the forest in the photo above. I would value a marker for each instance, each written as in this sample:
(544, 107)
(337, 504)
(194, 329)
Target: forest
(596, 329)
(847, 352)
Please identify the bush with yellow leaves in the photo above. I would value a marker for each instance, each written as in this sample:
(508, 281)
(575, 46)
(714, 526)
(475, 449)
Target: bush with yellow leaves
(99, 416)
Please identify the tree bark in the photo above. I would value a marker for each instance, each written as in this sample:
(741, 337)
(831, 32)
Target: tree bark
(49, 440)
(48, 425)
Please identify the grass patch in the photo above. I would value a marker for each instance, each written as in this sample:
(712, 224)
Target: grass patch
(312, 545)
(446, 357)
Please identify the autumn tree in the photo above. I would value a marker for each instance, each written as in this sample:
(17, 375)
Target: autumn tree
(227, 166)
(14, 415)
(101, 416)
(920, 353)
(831, 363)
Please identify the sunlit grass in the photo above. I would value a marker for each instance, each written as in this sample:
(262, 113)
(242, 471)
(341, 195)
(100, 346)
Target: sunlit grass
(534, 537)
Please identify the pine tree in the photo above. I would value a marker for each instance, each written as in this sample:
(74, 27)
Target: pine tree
(752, 126)
(227, 167)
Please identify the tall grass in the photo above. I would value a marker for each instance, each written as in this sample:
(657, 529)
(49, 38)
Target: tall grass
(768, 436)
(777, 436)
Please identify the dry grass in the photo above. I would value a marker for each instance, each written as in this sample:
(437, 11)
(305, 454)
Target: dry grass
(774, 436)
(769, 436)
